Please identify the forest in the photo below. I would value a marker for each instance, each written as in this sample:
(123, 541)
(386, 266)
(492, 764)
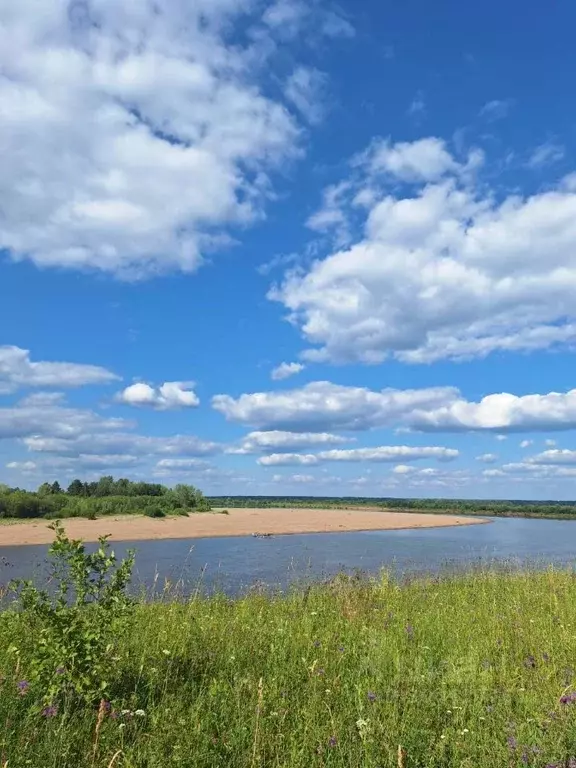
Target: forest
(105, 496)
(486, 507)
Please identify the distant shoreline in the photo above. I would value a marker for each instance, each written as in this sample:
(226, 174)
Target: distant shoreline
(238, 522)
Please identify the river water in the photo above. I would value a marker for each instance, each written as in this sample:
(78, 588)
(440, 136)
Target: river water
(235, 564)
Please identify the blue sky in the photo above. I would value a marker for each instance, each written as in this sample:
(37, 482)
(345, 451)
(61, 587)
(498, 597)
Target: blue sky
(276, 247)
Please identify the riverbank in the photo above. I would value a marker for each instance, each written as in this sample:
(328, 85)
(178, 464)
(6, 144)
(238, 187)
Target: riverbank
(470, 671)
(238, 522)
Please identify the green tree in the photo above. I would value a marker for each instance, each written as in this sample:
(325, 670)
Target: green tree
(76, 488)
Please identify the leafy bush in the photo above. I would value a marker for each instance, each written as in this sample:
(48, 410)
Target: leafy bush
(155, 512)
(78, 629)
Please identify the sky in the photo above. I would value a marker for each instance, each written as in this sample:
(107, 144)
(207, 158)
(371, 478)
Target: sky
(282, 247)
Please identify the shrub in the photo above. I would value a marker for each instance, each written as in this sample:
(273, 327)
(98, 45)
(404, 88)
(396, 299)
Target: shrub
(155, 512)
(79, 626)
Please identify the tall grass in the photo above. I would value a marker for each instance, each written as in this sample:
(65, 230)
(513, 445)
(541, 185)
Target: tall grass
(473, 670)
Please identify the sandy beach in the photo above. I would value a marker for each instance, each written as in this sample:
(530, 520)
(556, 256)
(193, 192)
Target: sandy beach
(239, 522)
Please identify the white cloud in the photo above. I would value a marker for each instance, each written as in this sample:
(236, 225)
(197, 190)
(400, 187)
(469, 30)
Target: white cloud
(418, 105)
(550, 443)
(22, 466)
(423, 160)
(504, 411)
(493, 473)
(171, 395)
(546, 154)
(554, 456)
(487, 458)
(95, 443)
(176, 138)
(321, 406)
(526, 443)
(496, 109)
(303, 479)
(287, 459)
(181, 464)
(17, 371)
(285, 370)
(36, 420)
(278, 440)
(501, 438)
(381, 453)
(305, 90)
(448, 271)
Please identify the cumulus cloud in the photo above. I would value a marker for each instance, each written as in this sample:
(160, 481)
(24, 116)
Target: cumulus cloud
(526, 443)
(446, 270)
(17, 370)
(287, 459)
(22, 466)
(172, 395)
(137, 134)
(277, 440)
(513, 413)
(381, 453)
(554, 456)
(321, 406)
(299, 479)
(181, 464)
(285, 370)
(487, 458)
(55, 421)
(94, 443)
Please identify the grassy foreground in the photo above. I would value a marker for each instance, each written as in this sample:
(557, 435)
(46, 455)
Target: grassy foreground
(471, 671)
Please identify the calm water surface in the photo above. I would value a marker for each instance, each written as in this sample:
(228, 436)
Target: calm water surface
(234, 564)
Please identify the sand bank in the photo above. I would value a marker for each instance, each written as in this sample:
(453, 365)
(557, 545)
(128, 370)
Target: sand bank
(239, 522)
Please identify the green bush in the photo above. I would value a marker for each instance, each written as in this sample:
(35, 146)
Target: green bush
(78, 627)
(155, 512)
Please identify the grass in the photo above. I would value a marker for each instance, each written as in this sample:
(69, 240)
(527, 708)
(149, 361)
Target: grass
(461, 672)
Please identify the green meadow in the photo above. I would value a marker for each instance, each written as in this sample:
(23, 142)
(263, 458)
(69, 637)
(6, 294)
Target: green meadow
(463, 671)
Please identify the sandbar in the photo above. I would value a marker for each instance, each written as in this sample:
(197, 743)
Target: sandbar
(238, 522)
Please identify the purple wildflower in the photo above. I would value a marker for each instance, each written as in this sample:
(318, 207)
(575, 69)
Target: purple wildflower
(107, 706)
(341, 648)
(320, 671)
(50, 711)
(316, 643)
(372, 696)
(23, 687)
(568, 698)
(410, 631)
(545, 657)
(332, 741)
(60, 670)
(525, 756)
(512, 743)
(530, 662)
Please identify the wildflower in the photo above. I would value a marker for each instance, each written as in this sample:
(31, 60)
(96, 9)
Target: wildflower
(372, 696)
(545, 657)
(60, 670)
(140, 713)
(410, 631)
(465, 730)
(320, 671)
(332, 741)
(316, 643)
(568, 698)
(341, 649)
(50, 711)
(23, 687)
(530, 662)
(512, 743)
(166, 652)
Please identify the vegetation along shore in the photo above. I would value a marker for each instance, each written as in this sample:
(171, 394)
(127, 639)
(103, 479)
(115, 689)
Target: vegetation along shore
(471, 670)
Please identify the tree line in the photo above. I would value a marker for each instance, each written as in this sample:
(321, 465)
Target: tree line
(105, 496)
